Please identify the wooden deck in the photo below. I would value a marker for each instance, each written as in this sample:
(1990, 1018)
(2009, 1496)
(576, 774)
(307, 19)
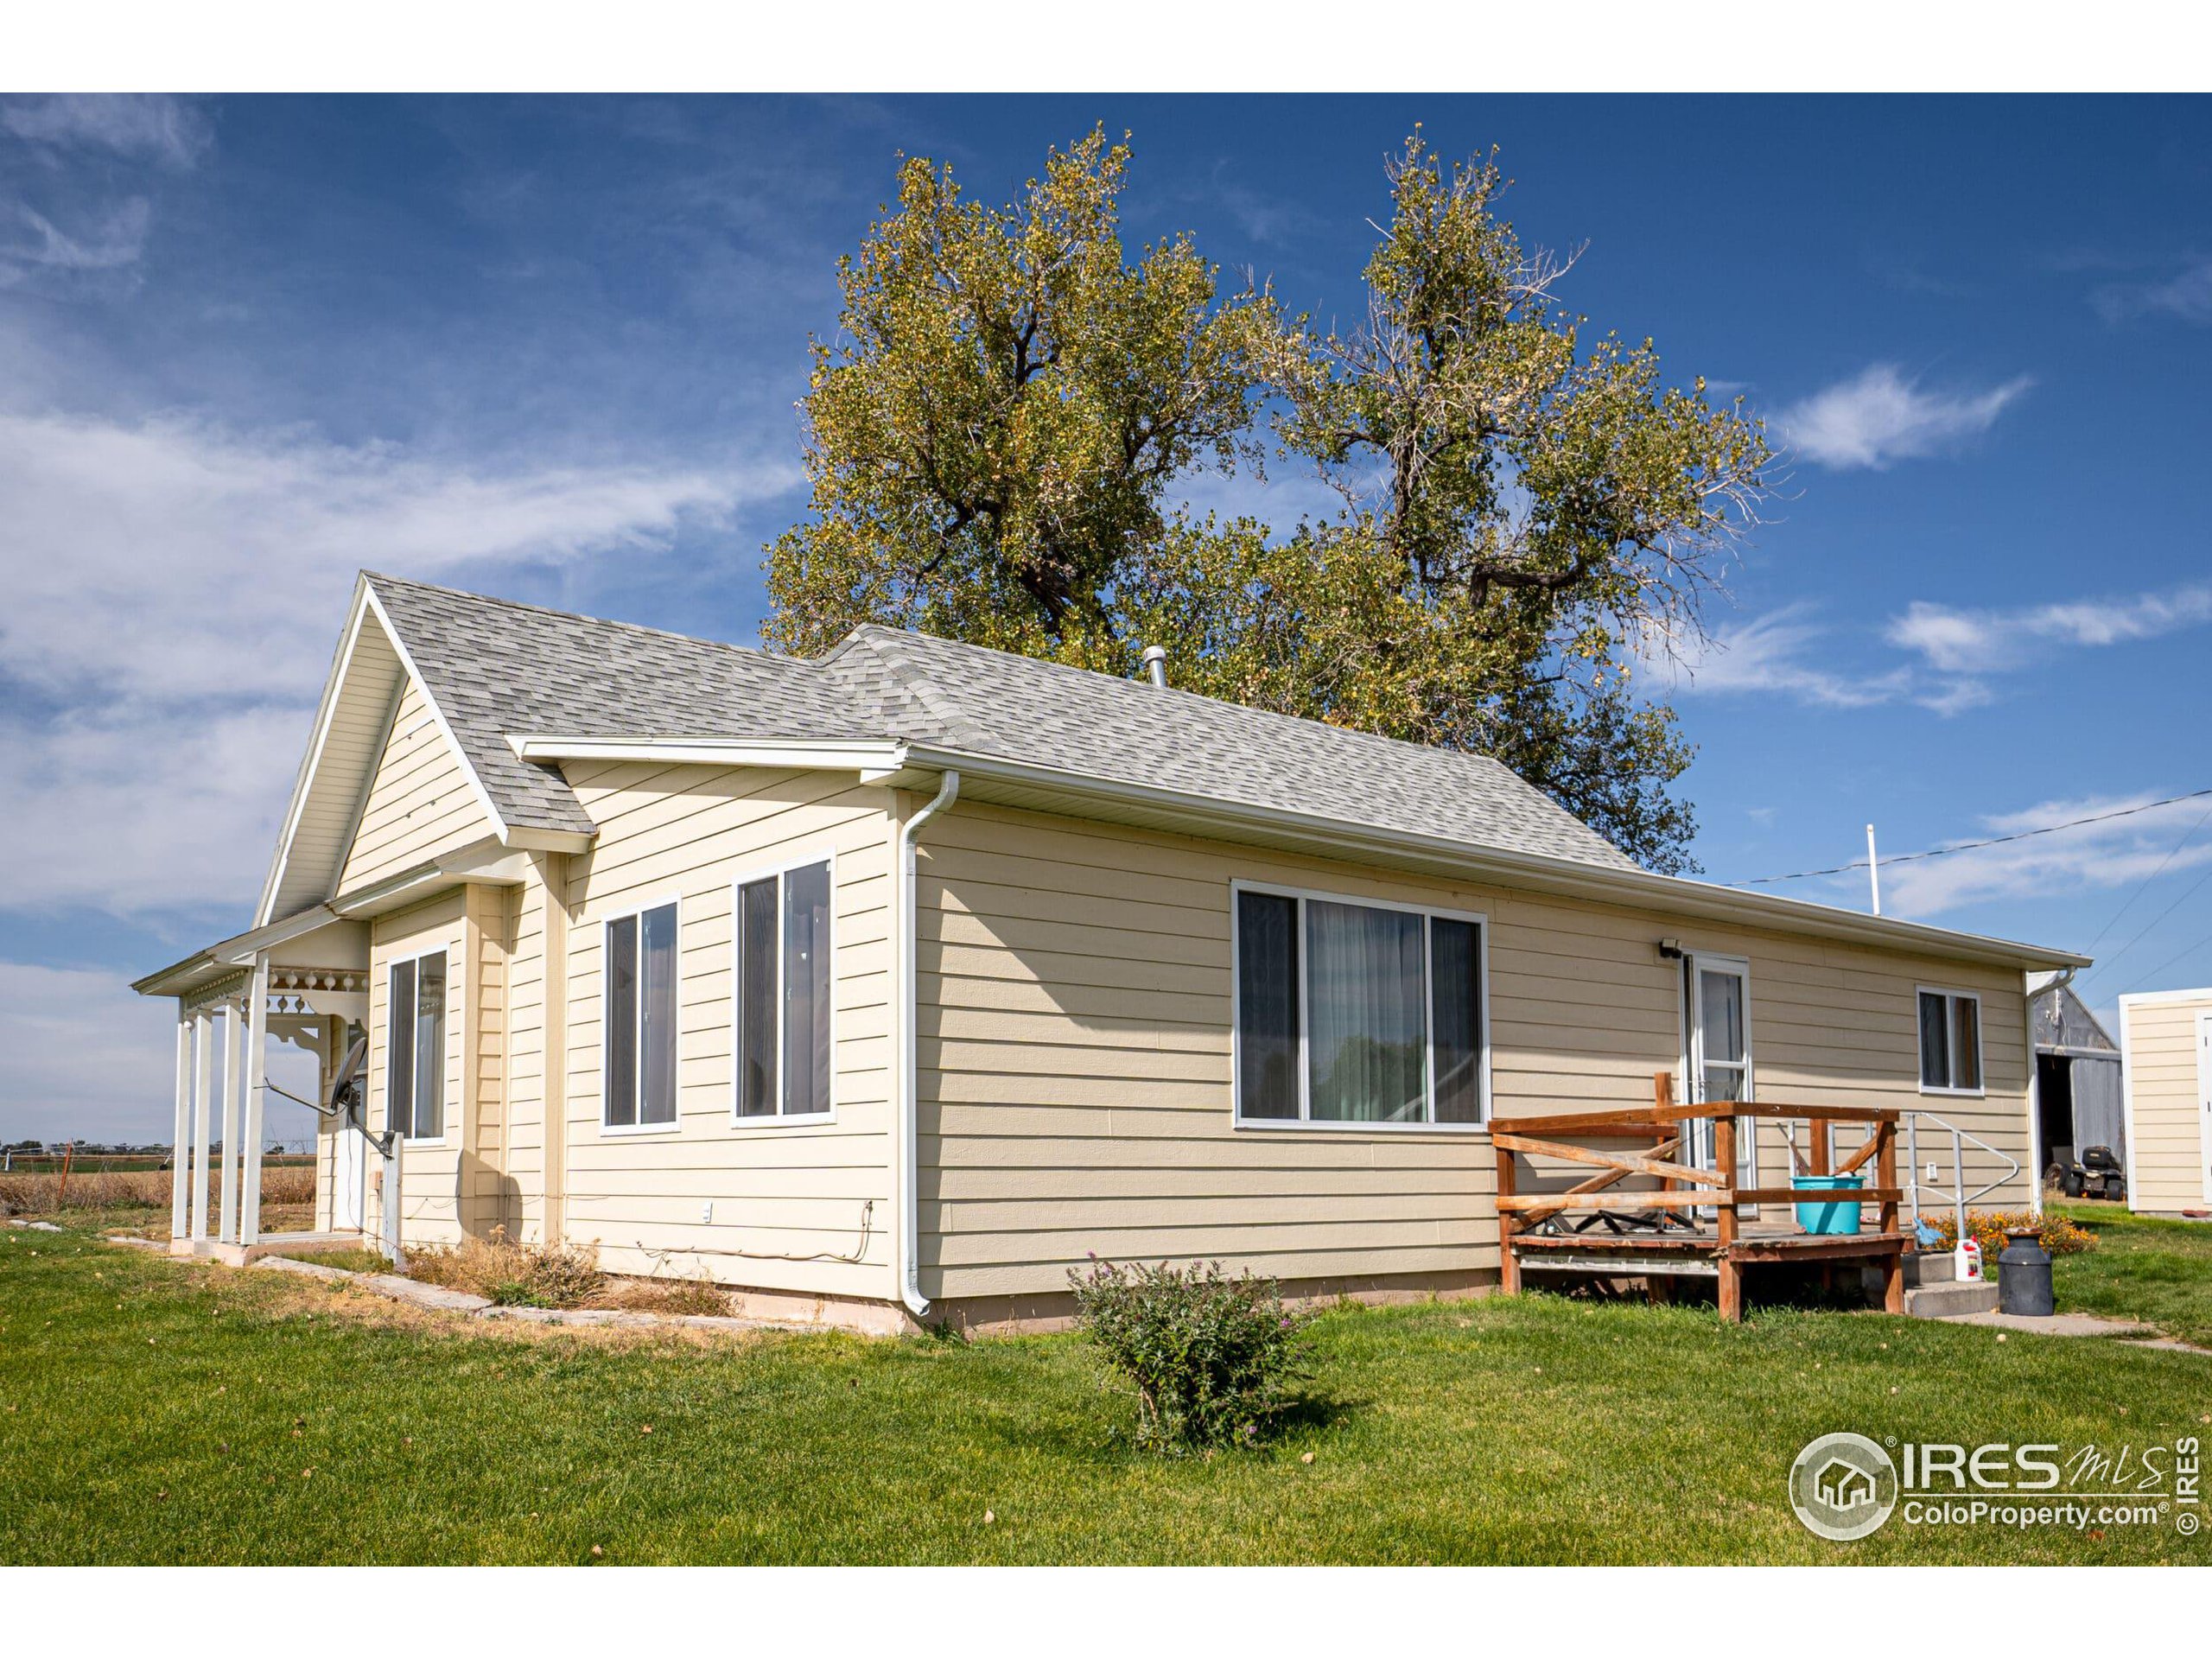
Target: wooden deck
(1686, 1221)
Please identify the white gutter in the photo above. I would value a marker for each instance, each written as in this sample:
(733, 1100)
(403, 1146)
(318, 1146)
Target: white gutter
(910, 1219)
(1335, 838)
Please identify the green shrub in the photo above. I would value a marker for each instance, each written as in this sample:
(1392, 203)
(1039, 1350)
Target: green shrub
(1210, 1358)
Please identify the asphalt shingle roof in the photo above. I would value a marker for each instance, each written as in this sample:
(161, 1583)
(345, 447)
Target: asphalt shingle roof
(496, 668)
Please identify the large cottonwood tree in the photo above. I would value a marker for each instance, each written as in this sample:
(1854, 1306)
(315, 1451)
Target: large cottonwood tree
(997, 439)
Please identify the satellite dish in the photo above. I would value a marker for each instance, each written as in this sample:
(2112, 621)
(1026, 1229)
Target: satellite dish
(346, 1087)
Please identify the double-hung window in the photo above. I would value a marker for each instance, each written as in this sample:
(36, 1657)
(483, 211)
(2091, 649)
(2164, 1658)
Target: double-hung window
(641, 1024)
(415, 1070)
(1356, 1013)
(784, 994)
(1950, 1043)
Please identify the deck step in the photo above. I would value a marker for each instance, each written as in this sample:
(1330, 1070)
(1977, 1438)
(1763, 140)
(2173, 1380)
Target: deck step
(1946, 1301)
(1930, 1267)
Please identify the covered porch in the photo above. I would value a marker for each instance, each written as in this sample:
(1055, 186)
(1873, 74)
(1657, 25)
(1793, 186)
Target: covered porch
(1660, 1193)
(303, 983)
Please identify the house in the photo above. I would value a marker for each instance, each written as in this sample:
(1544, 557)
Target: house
(2077, 1078)
(2165, 1040)
(884, 987)
(1844, 1486)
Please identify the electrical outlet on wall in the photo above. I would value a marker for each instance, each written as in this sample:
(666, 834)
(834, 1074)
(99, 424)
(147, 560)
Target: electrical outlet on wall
(707, 1212)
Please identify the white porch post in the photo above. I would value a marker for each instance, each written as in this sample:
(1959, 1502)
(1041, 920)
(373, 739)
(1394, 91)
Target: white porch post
(257, 1087)
(181, 1160)
(226, 1228)
(203, 1091)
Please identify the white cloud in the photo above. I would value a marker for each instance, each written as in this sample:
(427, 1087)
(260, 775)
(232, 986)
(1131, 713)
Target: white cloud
(1771, 655)
(117, 240)
(1880, 417)
(2187, 295)
(1972, 642)
(82, 1056)
(153, 127)
(174, 588)
(2089, 858)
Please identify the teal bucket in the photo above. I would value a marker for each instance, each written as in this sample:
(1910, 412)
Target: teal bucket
(1828, 1217)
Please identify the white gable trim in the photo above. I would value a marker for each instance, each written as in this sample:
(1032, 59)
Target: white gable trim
(366, 605)
(312, 761)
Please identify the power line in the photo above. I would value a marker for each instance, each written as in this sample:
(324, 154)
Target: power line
(1971, 846)
(2187, 836)
(2155, 920)
(2175, 957)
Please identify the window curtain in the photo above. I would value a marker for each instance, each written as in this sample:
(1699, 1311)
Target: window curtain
(1966, 1043)
(1935, 1045)
(622, 1022)
(1364, 996)
(657, 1098)
(430, 1048)
(806, 989)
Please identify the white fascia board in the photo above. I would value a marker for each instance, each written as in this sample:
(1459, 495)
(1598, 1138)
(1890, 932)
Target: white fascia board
(2140, 999)
(816, 755)
(1336, 838)
(341, 663)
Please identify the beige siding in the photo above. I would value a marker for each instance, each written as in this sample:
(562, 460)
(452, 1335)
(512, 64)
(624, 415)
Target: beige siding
(419, 802)
(780, 1207)
(432, 1177)
(2165, 1103)
(1075, 1075)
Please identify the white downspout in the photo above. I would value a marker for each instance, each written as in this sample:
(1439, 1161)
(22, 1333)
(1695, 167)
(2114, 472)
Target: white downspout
(910, 1220)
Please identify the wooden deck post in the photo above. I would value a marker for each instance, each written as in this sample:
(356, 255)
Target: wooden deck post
(1724, 1159)
(1885, 1165)
(1509, 1265)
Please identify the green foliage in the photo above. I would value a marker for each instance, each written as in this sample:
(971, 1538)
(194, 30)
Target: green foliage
(1527, 515)
(1993, 1230)
(1008, 401)
(1210, 1358)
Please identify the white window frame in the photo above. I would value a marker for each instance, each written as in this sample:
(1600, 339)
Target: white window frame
(1689, 998)
(1981, 1090)
(451, 952)
(778, 1119)
(640, 1130)
(1305, 1121)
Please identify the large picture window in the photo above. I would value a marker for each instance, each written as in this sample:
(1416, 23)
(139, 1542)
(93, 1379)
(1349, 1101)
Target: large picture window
(784, 994)
(1950, 1043)
(641, 1024)
(415, 1069)
(1357, 1013)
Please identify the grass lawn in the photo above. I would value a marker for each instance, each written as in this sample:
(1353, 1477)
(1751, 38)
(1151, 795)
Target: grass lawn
(2159, 1272)
(152, 1411)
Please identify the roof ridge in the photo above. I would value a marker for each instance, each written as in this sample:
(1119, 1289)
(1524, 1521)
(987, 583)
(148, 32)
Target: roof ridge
(759, 654)
(890, 647)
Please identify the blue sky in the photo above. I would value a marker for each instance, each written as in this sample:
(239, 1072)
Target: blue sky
(551, 348)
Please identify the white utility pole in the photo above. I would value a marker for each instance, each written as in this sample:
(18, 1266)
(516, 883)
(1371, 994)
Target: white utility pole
(1873, 871)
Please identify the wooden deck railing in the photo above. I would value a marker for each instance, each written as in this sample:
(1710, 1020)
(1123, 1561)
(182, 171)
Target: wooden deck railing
(1685, 1188)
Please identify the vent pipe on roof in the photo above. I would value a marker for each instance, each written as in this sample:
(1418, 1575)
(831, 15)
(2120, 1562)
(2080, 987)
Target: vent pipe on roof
(1155, 665)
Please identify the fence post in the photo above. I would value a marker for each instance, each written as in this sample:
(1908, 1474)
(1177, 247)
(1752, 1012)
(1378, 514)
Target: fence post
(1724, 1159)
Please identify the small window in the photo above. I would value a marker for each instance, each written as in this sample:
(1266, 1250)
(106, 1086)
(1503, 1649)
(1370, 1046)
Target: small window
(783, 943)
(415, 1072)
(1357, 1013)
(1950, 1042)
(640, 971)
